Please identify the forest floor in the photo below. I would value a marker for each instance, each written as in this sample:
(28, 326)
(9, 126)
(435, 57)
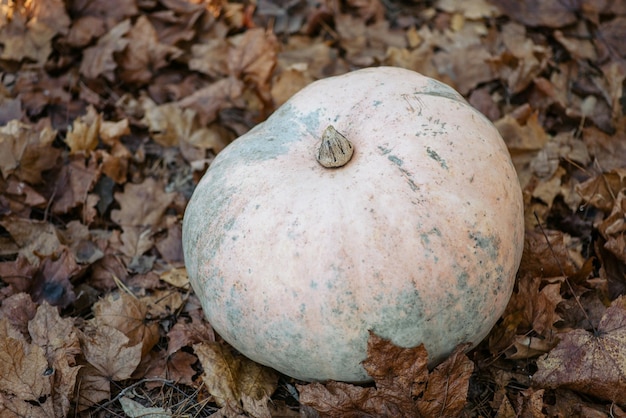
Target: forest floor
(111, 111)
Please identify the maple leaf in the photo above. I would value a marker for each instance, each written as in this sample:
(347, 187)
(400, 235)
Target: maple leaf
(26, 151)
(128, 315)
(18, 309)
(99, 60)
(25, 386)
(75, 181)
(144, 54)
(141, 204)
(185, 333)
(83, 134)
(404, 387)
(59, 339)
(52, 281)
(253, 59)
(35, 238)
(29, 31)
(588, 362)
(234, 381)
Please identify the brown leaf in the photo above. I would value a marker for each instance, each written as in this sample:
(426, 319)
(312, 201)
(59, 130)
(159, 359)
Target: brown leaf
(52, 282)
(209, 100)
(540, 13)
(29, 31)
(398, 372)
(25, 387)
(108, 351)
(446, 394)
(27, 151)
(144, 54)
(188, 333)
(18, 309)
(592, 363)
(83, 134)
(35, 238)
(128, 315)
(77, 178)
(99, 60)
(338, 399)
(59, 339)
(91, 387)
(141, 204)
(235, 381)
(253, 59)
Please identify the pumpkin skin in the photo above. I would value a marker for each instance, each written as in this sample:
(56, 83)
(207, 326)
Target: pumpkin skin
(417, 238)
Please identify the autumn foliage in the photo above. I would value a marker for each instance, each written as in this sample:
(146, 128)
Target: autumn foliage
(110, 111)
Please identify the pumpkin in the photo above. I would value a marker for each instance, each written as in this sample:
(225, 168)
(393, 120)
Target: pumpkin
(416, 235)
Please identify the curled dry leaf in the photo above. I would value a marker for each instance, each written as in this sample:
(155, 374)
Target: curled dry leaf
(404, 387)
(27, 151)
(26, 383)
(234, 381)
(128, 315)
(590, 362)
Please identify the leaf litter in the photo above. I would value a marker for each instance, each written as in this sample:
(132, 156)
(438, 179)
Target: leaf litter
(111, 111)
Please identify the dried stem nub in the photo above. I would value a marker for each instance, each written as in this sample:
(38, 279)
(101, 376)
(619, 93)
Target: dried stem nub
(335, 150)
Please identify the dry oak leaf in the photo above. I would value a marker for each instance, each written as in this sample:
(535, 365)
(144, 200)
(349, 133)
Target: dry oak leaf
(590, 362)
(141, 204)
(144, 54)
(553, 14)
(109, 358)
(35, 239)
(83, 134)
(253, 59)
(99, 60)
(26, 383)
(234, 381)
(27, 151)
(76, 179)
(128, 315)
(403, 385)
(28, 28)
(59, 338)
(448, 383)
(52, 283)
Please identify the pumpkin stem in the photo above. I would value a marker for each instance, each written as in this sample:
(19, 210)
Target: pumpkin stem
(335, 150)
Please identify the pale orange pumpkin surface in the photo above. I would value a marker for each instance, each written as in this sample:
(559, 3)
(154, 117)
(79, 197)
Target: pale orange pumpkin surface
(417, 238)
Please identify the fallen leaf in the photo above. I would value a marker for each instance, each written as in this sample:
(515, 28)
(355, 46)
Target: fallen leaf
(25, 387)
(27, 151)
(128, 315)
(590, 362)
(234, 381)
(134, 409)
(144, 53)
(28, 33)
(448, 384)
(141, 204)
(83, 134)
(35, 238)
(18, 309)
(110, 358)
(51, 283)
(539, 13)
(59, 339)
(99, 59)
(185, 333)
(76, 179)
(403, 385)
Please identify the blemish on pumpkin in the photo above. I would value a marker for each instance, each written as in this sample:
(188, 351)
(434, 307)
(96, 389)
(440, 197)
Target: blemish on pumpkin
(397, 161)
(489, 244)
(433, 154)
(384, 150)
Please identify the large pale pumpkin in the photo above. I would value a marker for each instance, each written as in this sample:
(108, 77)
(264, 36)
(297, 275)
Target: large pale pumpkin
(417, 237)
